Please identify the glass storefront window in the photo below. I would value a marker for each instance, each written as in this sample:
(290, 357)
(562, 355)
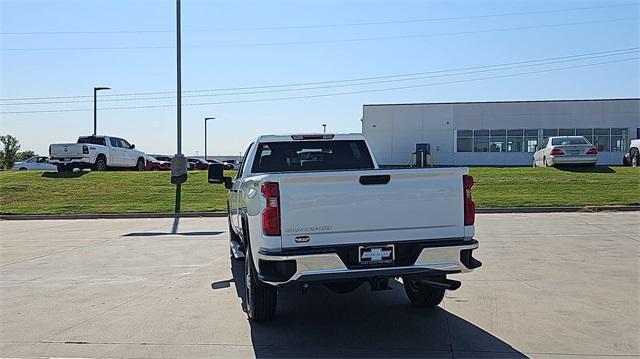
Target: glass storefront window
(601, 139)
(586, 133)
(548, 132)
(464, 141)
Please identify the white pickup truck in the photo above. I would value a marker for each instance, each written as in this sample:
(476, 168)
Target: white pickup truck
(316, 208)
(96, 152)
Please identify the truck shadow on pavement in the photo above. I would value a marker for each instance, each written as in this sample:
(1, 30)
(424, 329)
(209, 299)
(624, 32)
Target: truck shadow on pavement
(64, 174)
(363, 324)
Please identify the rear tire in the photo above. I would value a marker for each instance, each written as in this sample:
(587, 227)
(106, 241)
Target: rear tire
(634, 155)
(62, 168)
(140, 165)
(422, 295)
(100, 165)
(260, 298)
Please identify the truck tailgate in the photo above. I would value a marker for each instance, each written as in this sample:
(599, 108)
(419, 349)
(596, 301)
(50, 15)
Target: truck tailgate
(66, 150)
(363, 207)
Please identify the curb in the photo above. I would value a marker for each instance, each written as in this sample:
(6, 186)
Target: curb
(586, 209)
(23, 217)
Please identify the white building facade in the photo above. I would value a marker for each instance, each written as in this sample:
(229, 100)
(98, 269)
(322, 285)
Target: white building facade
(497, 133)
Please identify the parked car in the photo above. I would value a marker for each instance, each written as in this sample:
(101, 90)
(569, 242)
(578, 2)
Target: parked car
(226, 166)
(565, 150)
(190, 166)
(154, 164)
(39, 163)
(318, 209)
(198, 163)
(96, 152)
(632, 157)
(233, 163)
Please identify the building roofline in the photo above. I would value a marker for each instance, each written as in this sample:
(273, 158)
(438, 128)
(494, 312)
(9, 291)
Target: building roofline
(513, 101)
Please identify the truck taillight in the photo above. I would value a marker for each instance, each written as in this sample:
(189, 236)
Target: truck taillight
(85, 150)
(271, 213)
(469, 206)
(592, 151)
(556, 152)
(49, 150)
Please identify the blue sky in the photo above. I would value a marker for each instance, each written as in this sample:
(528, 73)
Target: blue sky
(239, 55)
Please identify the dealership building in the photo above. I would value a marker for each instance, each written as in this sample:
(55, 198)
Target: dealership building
(503, 133)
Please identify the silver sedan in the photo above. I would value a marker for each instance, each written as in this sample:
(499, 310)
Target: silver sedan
(565, 150)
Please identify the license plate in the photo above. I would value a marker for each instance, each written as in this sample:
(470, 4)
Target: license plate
(66, 159)
(376, 254)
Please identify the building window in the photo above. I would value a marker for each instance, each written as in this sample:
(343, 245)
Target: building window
(531, 140)
(498, 141)
(514, 140)
(586, 133)
(619, 139)
(464, 141)
(548, 132)
(601, 137)
(481, 141)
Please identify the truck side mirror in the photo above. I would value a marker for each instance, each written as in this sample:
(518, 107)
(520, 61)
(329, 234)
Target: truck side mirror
(216, 175)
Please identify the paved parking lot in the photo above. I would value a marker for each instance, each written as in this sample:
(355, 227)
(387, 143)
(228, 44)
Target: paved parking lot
(552, 285)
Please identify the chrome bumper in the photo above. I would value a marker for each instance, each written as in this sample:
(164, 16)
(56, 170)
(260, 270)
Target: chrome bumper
(329, 266)
(55, 161)
(568, 159)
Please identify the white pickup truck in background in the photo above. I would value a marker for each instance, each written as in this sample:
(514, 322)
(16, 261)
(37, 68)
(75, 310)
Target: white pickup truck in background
(317, 209)
(96, 152)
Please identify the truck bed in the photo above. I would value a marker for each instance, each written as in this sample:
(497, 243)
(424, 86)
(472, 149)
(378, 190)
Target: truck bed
(371, 206)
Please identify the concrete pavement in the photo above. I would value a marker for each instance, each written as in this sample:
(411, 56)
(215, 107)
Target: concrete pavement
(552, 285)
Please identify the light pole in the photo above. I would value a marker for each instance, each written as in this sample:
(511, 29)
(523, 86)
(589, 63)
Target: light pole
(205, 135)
(324, 128)
(95, 107)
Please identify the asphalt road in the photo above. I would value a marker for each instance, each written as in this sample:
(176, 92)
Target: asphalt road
(552, 285)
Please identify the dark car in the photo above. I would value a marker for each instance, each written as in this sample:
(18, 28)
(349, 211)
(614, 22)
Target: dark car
(190, 166)
(155, 164)
(225, 165)
(198, 163)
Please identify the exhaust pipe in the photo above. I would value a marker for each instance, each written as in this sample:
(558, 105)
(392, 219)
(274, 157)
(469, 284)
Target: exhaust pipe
(448, 284)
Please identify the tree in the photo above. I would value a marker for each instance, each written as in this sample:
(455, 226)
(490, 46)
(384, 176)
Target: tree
(10, 148)
(23, 155)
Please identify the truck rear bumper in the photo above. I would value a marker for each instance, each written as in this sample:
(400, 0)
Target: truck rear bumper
(70, 160)
(304, 265)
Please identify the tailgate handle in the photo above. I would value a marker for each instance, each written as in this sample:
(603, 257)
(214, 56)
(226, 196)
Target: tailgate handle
(376, 179)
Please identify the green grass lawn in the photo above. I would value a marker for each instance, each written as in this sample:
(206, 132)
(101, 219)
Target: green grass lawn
(120, 192)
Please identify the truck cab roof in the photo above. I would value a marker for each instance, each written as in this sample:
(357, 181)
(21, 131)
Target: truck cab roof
(309, 137)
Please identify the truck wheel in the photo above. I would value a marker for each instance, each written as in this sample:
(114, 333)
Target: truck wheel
(422, 295)
(100, 165)
(62, 168)
(140, 165)
(260, 298)
(635, 157)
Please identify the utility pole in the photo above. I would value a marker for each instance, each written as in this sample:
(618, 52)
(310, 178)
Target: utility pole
(95, 107)
(179, 162)
(205, 135)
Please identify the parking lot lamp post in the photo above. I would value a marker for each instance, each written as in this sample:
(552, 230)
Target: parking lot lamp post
(95, 107)
(324, 128)
(205, 135)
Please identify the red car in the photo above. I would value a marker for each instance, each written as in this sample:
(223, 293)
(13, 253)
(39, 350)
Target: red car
(154, 164)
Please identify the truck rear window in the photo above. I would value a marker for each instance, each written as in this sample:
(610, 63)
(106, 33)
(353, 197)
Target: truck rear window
(92, 140)
(312, 156)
